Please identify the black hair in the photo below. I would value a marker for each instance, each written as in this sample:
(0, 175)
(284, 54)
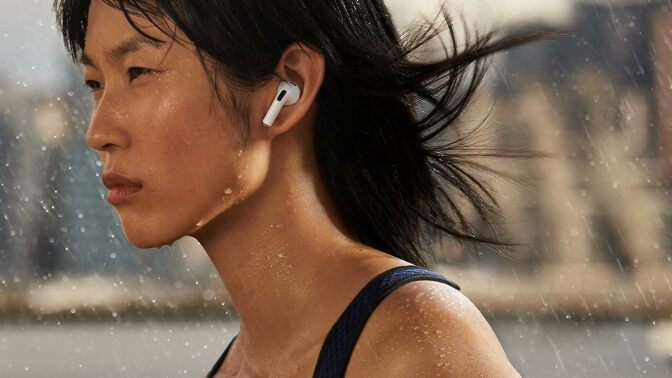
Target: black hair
(381, 111)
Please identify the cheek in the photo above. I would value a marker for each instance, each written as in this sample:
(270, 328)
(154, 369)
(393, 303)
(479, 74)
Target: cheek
(191, 158)
(180, 131)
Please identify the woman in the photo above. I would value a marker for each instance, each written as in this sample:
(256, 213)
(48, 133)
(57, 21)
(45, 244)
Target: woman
(348, 187)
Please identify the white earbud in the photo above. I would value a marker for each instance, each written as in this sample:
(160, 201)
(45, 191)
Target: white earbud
(288, 94)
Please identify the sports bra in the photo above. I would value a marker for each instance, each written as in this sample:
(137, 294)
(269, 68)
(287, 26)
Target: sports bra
(340, 341)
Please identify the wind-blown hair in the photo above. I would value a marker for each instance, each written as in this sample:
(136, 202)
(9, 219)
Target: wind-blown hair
(395, 184)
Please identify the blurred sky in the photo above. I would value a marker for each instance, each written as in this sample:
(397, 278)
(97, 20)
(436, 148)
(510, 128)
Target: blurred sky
(31, 52)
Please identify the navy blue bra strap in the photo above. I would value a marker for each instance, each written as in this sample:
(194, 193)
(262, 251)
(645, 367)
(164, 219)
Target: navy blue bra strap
(341, 339)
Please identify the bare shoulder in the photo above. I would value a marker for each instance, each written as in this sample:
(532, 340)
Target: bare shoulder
(427, 328)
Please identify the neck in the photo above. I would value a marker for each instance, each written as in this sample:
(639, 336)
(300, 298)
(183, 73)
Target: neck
(287, 263)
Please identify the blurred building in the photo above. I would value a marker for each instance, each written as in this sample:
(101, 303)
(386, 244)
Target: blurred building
(662, 47)
(596, 224)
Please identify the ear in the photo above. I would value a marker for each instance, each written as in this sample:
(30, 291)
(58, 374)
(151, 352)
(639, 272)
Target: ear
(304, 65)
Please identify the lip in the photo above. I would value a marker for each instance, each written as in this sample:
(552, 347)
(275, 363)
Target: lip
(122, 188)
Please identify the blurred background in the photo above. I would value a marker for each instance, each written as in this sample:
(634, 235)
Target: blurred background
(589, 292)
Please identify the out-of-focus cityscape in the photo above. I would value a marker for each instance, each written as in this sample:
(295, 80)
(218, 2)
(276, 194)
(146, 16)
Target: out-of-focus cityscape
(589, 292)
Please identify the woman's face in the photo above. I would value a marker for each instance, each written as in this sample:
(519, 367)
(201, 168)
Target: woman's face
(152, 121)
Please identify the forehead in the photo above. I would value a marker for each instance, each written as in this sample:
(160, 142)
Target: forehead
(107, 24)
(108, 30)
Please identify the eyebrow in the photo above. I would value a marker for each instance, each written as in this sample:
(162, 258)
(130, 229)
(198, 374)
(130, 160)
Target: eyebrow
(126, 47)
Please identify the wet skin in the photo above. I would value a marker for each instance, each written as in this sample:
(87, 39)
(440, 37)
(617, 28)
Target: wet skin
(261, 212)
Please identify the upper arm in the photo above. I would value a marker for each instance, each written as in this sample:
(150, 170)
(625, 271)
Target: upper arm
(427, 328)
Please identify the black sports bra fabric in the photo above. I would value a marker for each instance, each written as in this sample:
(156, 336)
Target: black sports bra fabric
(343, 335)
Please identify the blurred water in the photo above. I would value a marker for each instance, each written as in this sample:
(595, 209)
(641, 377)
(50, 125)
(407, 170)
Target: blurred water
(190, 348)
(582, 349)
(126, 349)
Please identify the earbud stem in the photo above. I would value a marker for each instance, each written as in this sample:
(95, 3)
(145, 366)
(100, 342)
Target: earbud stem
(273, 113)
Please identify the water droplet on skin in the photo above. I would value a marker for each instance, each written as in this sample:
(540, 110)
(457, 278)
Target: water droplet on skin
(228, 191)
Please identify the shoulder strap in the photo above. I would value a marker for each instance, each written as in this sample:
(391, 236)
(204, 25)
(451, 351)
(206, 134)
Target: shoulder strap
(341, 339)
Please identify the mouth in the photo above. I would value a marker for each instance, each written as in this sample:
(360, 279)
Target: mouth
(122, 188)
(122, 193)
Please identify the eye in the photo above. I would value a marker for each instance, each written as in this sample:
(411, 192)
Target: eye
(133, 72)
(92, 85)
(137, 71)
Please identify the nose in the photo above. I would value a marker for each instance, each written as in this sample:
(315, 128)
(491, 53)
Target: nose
(107, 128)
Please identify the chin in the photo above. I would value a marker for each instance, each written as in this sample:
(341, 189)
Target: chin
(144, 238)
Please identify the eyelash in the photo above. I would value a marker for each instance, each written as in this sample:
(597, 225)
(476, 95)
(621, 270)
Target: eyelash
(90, 83)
